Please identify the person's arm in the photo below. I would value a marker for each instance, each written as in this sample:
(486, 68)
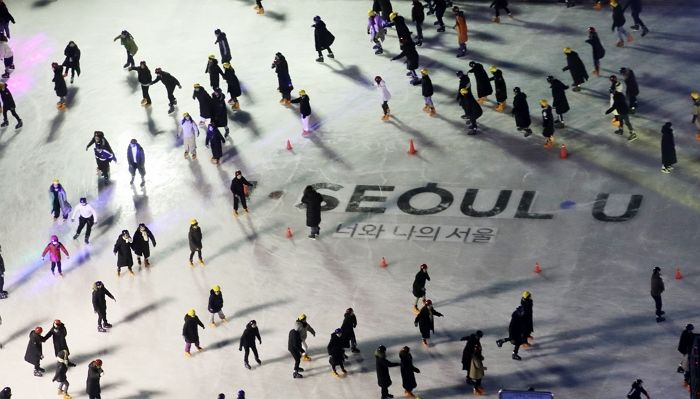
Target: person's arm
(45, 251)
(63, 249)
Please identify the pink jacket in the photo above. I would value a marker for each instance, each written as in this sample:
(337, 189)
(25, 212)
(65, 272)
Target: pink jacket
(54, 251)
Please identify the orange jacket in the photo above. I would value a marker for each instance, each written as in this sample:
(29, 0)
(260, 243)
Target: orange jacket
(461, 27)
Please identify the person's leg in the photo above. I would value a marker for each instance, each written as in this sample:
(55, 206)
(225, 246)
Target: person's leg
(255, 353)
(419, 30)
(14, 113)
(171, 96)
(4, 116)
(81, 223)
(199, 254)
(191, 255)
(297, 359)
(497, 11)
(658, 304)
(144, 91)
(188, 346)
(142, 172)
(330, 52)
(211, 320)
(53, 267)
(59, 267)
(243, 202)
(246, 351)
(385, 392)
(88, 229)
(385, 107)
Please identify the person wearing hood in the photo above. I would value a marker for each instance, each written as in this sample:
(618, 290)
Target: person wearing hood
(382, 367)
(500, 85)
(194, 238)
(294, 347)
(304, 111)
(214, 71)
(284, 81)
(189, 132)
(483, 84)
(598, 50)
(95, 372)
(384, 96)
(123, 248)
(547, 123)
(575, 66)
(62, 364)
(136, 158)
(527, 304)
(470, 348)
(521, 112)
(476, 370)
(619, 105)
(561, 104)
(170, 82)
(58, 335)
(224, 49)
(440, 8)
(239, 189)
(72, 61)
(141, 244)
(59, 201)
(87, 216)
(59, 86)
(54, 249)
(668, 155)
(631, 88)
(323, 39)
(34, 353)
(247, 342)
(348, 329)
(425, 321)
(220, 110)
(303, 333)
(517, 334)
(233, 86)
(464, 83)
(408, 370)
(427, 91)
(205, 104)
(312, 199)
(126, 40)
(472, 109)
(144, 77)
(408, 50)
(336, 352)
(216, 305)
(99, 305)
(190, 332)
(215, 140)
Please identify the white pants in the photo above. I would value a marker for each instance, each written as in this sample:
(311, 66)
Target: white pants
(305, 123)
(190, 145)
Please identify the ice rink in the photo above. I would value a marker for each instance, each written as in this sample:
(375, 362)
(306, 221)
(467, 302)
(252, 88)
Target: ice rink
(597, 222)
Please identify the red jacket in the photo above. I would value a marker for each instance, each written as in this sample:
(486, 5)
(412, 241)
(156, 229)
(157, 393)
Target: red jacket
(54, 251)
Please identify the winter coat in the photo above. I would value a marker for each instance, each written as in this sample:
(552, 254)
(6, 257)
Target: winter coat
(8, 102)
(521, 111)
(220, 110)
(384, 94)
(304, 329)
(425, 322)
(99, 300)
(636, 392)
(483, 85)
(128, 43)
(284, 81)
(469, 350)
(408, 50)
(500, 84)
(224, 49)
(144, 74)
(58, 335)
(417, 13)
(335, 350)
(54, 251)
(195, 238)
(61, 370)
(189, 329)
(408, 378)
(304, 105)
(6, 393)
(140, 159)
(168, 80)
(401, 29)
(294, 343)
(238, 184)
(189, 129)
(668, 158)
(122, 249)
(59, 83)
(248, 337)
(517, 329)
(470, 106)
(216, 302)
(216, 141)
(103, 143)
(385, 7)
(527, 307)
(476, 369)
(419, 283)
(34, 353)
(575, 66)
(685, 344)
(382, 365)
(205, 103)
(619, 104)
(234, 86)
(618, 17)
(72, 58)
(214, 71)
(93, 379)
(140, 244)
(59, 193)
(323, 39)
(375, 28)
(631, 84)
(594, 41)
(561, 105)
(348, 328)
(547, 122)
(5, 16)
(464, 83)
(103, 155)
(426, 86)
(313, 202)
(461, 26)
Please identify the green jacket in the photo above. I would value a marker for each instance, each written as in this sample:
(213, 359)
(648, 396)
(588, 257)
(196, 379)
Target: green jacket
(129, 43)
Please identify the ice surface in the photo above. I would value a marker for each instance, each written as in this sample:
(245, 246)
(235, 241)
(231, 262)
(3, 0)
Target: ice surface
(594, 322)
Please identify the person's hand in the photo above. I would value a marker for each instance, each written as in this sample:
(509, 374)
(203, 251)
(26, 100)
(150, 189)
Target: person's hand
(415, 324)
(179, 87)
(240, 349)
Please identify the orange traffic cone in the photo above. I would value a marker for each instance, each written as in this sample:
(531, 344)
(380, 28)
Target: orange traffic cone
(679, 275)
(289, 232)
(563, 152)
(382, 262)
(289, 145)
(537, 268)
(411, 148)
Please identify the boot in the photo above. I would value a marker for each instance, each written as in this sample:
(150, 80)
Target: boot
(60, 391)
(432, 111)
(516, 357)
(409, 394)
(257, 360)
(331, 55)
(131, 272)
(66, 396)
(5, 122)
(191, 264)
(481, 100)
(246, 365)
(595, 72)
(236, 105)
(426, 108)
(644, 31)
(194, 156)
(496, 20)
(101, 329)
(528, 132)
(297, 375)
(620, 44)
(143, 101)
(306, 358)
(500, 107)
(187, 155)
(319, 59)
(632, 136)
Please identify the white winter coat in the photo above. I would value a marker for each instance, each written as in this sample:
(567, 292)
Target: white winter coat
(189, 129)
(384, 94)
(5, 50)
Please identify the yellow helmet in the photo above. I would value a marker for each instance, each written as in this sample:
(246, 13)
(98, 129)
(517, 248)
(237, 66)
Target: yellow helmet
(424, 72)
(55, 181)
(695, 95)
(185, 114)
(393, 15)
(196, 85)
(526, 294)
(613, 3)
(191, 312)
(567, 50)
(227, 65)
(216, 288)
(2, 85)
(212, 57)
(302, 92)
(543, 103)
(463, 91)
(371, 13)
(301, 317)
(493, 68)
(193, 221)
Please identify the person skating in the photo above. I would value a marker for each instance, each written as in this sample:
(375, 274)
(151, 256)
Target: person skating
(464, 83)
(59, 86)
(220, 111)
(5, 19)
(637, 391)
(126, 40)
(59, 201)
(34, 352)
(483, 84)
(72, 61)
(312, 199)
(418, 287)
(284, 81)
(384, 96)
(58, 335)
(99, 305)
(517, 334)
(323, 39)
(668, 157)
(408, 50)
(636, 8)
(303, 333)
(240, 191)
(7, 56)
(304, 111)
(462, 31)
(472, 109)
(170, 82)
(247, 342)
(597, 48)
(618, 24)
(194, 237)
(8, 104)
(295, 349)
(205, 104)
(500, 85)
(94, 374)
(631, 88)
(6, 392)
(399, 22)
(233, 86)
(190, 332)
(144, 77)
(54, 249)
(224, 48)
(427, 92)
(215, 141)
(123, 248)
(575, 66)
(561, 104)
(87, 216)
(382, 366)
(418, 17)
(476, 369)
(547, 123)
(141, 244)
(214, 71)
(259, 9)
(3, 293)
(189, 132)
(103, 157)
(685, 347)
(695, 98)
(521, 112)
(425, 321)
(527, 304)
(620, 105)
(440, 6)
(376, 31)
(497, 6)
(472, 342)
(215, 305)
(136, 158)
(348, 329)
(62, 364)
(336, 352)
(408, 370)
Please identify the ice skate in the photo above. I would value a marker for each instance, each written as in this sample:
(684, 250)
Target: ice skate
(201, 262)
(409, 394)
(191, 264)
(630, 38)
(499, 343)
(496, 20)
(65, 394)
(101, 329)
(235, 213)
(60, 392)
(481, 100)
(415, 309)
(131, 272)
(432, 111)
(595, 72)
(335, 374)
(247, 365)
(200, 349)
(426, 108)
(379, 51)
(528, 132)
(138, 260)
(665, 170)
(516, 357)
(171, 109)
(620, 44)
(75, 236)
(194, 157)
(478, 391)
(306, 358)
(425, 343)
(355, 350)
(38, 373)
(500, 107)
(258, 361)
(119, 273)
(297, 375)
(4, 124)
(236, 105)
(618, 132)
(188, 354)
(319, 59)
(660, 319)
(385, 117)
(331, 55)
(644, 31)
(187, 155)
(632, 137)
(576, 88)
(143, 101)
(6, 75)
(441, 29)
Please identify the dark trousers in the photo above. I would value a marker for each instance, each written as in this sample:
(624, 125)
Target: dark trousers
(385, 392)
(101, 317)
(439, 13)
(199, 254)
(297, 359)
(320, 54)
(144, 93)
(637, 20)
(72, 71)
(247, 350)
(87, 223)
(134, 167)
(53, 266)
(56, 209)
(129, 60)
(419, 30)
(94, 396)
(103, 166)
(385, 107)
(12, 111)
(497, 9)
(625, 118)
(171, 97)
(2, 283)
(596, 63)
(658, 304)
(286, 94)
(236, 197)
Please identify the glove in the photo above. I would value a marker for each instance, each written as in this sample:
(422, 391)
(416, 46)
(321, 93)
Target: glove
(417, 371)
(563, 69)
(415, 324)
(179, 87)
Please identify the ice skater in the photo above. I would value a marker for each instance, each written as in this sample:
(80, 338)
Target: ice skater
(214, 71)
(620, 106)
(473, 342)
(408, 50)
(8, 105)
(54, 249)
(336, 352)
(517, 334)
(323, 39)
(5, 19)
(440, 8)
(384, 96)
(126, 40)
(194, 237)
(483, 84)
(304, 111)
(99, 305)
(233, 86)
(239, 189)
(597, 48)
(34, 352)
(561, 104)
(408, 370)
(72, 61)
(418, 17)
(312, 199)
(636, 8)
(59, 86)
(476, 369)
(425, 321)
(575, 66)
(427, 92)
(190, 332)
(123, 248)
(189, 131)
(144, 77)
(637, 391)
(500, 85)
(382, 367)
(303, 333)
(220, 111)
(215, 141)
(58, 333)
(348, 329)
(376, 31)
(7, 56)
(141, 244)
(247, 342)
(59, 201)
(631, 88)
(224, 48)
(98, 138)
(498, 5)
(170, 82)
(62, 364)
(216, 305)
(95, 372)
(136, 159)
(284, 81)
(462, 31)
(418, 288)
(521, 112)
(527, 304)
(668, 159)
(685, 347)
(547, 123)
(472, 110)
(205, 104)
(295, 349)
(103, 157)
(618, 25)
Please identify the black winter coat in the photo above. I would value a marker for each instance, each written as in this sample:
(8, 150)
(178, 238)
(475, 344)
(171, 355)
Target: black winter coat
(547, 122)
(464, 83)
(499, 3)
(93, 379)
(189, 329)
(483, 85)
(685, 344)
(144, 74)
(631, 87)
(61, 370)
(424, 319)
(168, 80)
(58, 335)
(214, 71)
(72, 58)
(216, 141)
(248, 337)
(8, 102)
(426, 86)
(561, 105)
(123, 251)
(500, 85)
(517, 330)
(237, 185)
(335, 350)
(470, 106)
(140, 156)
(323, 39)
(386, 9)
(220, 110)
(382, 364)
(304, 105)
(348, 328)
(417, 13)
(419, 283)
(99, 300)
(401, 29)
(234, 86)
(521, 111)
(618, 17)
(216, 302)
(619, 104)
(5, 16)
(468, 352)
(224, 49)
(408, 50)
(313, 202)
(527, 307)
(139, 244)
(408, 378)
(668, 146)
(575, 66)
(195, 237)
(594, 41)
(284, 81)
(294, 343)
(34, 353)
(59, 83)
(205, 103)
